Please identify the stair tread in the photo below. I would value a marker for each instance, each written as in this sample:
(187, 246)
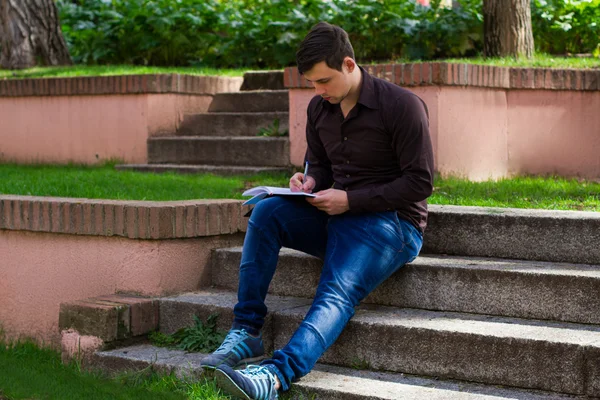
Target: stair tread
(345, 381)
(477, 263)
(453, 322)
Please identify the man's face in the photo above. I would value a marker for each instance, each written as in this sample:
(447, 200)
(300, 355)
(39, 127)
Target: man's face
(329, 83)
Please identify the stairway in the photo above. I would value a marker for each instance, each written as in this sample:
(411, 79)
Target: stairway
(443, 327)
(224, 140)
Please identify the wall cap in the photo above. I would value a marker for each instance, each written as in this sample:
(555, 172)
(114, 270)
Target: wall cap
(453, 74)
(120, 84)
(122, 218)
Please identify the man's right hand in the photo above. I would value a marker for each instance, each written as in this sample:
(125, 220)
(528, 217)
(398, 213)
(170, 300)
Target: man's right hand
(299, 184)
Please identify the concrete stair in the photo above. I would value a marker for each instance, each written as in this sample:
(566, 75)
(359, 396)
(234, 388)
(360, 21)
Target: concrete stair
(327, 381)
(461, 326)
(225, 140)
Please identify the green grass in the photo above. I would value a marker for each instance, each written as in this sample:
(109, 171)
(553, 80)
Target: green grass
(539, 60)
(105, 182)
(33, 373)
(28, 372)
(106, 70)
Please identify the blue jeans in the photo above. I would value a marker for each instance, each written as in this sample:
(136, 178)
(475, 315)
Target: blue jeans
(359, 252)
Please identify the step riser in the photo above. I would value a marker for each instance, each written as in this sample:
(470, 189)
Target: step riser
(267, 101)
(206, 169)
(511, 361)
(273, 152)
(453, 355)
(517, 234)
(259, 80)
(479, 291)
(231, 125)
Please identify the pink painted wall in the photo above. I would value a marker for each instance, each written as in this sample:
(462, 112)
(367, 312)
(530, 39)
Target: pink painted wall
(39, 271)
(89, 129)
(472, 133)
(482, 133)
(555, 132)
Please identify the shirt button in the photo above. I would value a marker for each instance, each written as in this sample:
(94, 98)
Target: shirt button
(347, 161)
(345, 138)
(347, 176)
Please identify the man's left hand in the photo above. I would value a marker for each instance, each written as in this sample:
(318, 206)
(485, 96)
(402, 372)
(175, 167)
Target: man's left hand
(332, 201)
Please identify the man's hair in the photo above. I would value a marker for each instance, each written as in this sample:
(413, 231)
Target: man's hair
(324, 42)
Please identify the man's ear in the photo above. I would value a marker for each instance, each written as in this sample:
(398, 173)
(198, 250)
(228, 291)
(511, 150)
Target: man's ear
(349, 63)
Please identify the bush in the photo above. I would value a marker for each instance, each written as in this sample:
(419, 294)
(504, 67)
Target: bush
(566, 26)
(260, 33)
(266, 33)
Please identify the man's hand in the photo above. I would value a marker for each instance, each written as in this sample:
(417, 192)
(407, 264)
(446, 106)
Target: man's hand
(299, 184)
(332, 201)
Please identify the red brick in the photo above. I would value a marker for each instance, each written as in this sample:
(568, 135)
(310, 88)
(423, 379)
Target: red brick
(190, 220)
(416, 74)
(398, 78)
(202, 220)
(180, 221)
(36, 216)
(97, 218)
(26, 214)
(87, 219)
(162, 220)
(143, 222)
(119, 220)
(538, 78)
(5, 214)
(590, 79)
(388, 73)
(213, 217)
(295, 78)
(407, 75)
(16, 215)
(131, 222)
(234, 217)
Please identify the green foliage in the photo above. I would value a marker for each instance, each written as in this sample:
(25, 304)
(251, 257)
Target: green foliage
(201, 337)
(566, 26)
(273, 130)
(261, 33)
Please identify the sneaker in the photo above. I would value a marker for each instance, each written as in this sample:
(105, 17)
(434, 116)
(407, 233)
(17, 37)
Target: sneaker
(238, 348)
(253, 383)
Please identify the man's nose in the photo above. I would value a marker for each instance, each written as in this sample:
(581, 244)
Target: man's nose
(319, 89)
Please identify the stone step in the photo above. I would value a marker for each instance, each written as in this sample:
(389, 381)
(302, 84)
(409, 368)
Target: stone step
(544, 235)
(250, 101)
(532, 354)
(232, 124)
(203, 169)
(325, 381)
(263, 80)
(242, 151)
(512, 288)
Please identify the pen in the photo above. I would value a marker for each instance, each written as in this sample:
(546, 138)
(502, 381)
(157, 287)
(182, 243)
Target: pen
(305, 172)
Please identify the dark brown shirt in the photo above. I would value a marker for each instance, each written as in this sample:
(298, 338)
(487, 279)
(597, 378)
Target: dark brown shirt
(380, 153)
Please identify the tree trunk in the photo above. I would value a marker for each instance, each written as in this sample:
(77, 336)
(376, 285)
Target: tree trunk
(30, 34)
(507, 28)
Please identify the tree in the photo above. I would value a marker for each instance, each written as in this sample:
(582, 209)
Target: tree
(507, 28)
(30, 34)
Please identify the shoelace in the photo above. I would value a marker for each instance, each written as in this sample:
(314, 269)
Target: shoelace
(260, 372)
(232, 339)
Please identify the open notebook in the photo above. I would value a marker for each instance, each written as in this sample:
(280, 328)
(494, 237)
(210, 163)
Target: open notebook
(260, 192)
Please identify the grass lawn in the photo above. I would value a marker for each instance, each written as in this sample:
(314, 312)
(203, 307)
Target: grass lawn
(539, 60)
(105, 182)
(28, 372)
(106, 70)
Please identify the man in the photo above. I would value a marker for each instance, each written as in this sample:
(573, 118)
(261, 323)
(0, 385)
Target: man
(371, 168)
